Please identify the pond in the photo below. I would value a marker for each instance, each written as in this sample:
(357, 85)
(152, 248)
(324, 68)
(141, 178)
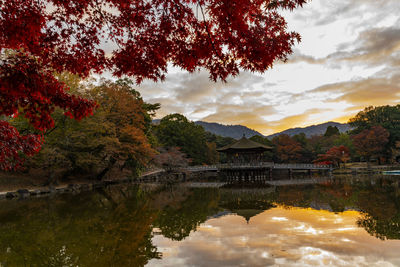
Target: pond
(340, 221)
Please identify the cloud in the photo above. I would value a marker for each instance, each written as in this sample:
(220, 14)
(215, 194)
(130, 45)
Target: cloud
(249, 115)
(298, 57)
(195, 96)
(324, 13)
(372, 91)
(350, 54)
(374, 46)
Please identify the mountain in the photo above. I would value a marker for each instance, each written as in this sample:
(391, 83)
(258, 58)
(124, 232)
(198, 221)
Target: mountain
(234, 131)
(314, 129)
(237, 131)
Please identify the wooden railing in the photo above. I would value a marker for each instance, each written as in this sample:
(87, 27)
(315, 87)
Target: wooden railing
(301, 166)
(252, 165)
(202, 168)
(256, 165)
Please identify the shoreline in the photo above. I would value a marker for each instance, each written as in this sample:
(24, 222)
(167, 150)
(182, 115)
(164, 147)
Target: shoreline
(79, 186)
(157, 176)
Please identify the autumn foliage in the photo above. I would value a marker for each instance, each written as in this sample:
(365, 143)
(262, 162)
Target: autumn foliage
(11, 142)
(171, 158)
(116, 139)
(135, 38)
(371, 142)
(335, 155)
(286, 148)
(220, 36)
(29, 89)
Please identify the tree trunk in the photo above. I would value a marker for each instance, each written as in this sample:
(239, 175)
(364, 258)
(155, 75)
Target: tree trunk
(101, 175)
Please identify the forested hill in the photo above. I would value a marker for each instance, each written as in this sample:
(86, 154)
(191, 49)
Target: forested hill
(237, 131)
(314, 129)
(234, 131)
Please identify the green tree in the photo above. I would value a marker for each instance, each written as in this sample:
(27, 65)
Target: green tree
(175, 130)
(268, 155)
(344, 139)
(331, 130)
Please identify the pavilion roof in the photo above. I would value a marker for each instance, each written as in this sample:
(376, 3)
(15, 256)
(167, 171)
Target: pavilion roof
(244, 144)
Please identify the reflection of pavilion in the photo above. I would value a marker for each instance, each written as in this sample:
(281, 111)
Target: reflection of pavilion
(246, 202)
(248, 213)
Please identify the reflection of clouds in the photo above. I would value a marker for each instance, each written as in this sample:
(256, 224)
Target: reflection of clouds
(295, 237)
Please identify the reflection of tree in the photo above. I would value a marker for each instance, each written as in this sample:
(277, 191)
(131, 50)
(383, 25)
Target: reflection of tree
(381, 228)
(330, 196)
(382, 211)
(377, 198)
(177, 221)
(90, 229)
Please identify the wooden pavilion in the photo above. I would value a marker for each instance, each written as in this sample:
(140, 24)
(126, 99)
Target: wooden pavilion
(245, 162)
(244, 151)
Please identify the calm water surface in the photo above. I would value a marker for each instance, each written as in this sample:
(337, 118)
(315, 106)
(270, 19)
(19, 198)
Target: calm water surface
(347, 221)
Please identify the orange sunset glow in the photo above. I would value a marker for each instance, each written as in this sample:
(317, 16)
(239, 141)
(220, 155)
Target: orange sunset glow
(280, 237)
(348, 59)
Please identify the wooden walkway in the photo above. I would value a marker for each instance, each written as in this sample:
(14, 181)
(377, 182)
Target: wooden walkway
(257, 166)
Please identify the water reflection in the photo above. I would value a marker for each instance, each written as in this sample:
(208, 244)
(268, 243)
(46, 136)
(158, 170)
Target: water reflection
(107, 228)
(343, 221)
(280, 236)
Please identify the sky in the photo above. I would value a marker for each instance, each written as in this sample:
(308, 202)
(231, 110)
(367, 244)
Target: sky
(348, 59)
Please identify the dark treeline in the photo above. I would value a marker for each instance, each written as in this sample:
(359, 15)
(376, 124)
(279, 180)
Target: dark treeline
(375, 137)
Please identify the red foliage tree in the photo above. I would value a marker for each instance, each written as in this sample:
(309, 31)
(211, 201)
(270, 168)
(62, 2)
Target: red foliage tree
(334, 156)
(287, 149)
(371, 142)
(70, 35)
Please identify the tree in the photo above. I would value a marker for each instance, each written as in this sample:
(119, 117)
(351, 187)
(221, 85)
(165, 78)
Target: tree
(39, 38)
(216, 141)
(27, 88)
(371, 142)
(344, 139)
(115, 137)
(175, 130)
(287, 149)
(171, 158)
(306, 149)
(386, 116)
(211, 153)
(331, 130)
(267, 156)
(335, 155)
